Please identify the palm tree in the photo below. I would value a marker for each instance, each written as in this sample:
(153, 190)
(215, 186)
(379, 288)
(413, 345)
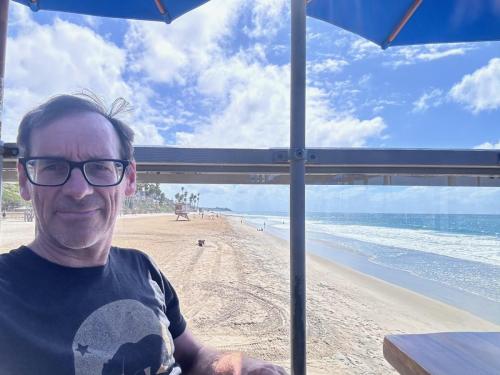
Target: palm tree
(192, 198)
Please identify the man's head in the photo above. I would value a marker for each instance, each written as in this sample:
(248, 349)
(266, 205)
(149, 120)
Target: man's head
(78, 213)
(65, 105)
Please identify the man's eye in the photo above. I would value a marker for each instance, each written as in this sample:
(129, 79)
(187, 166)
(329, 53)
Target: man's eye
(51, 167)
(100, 167)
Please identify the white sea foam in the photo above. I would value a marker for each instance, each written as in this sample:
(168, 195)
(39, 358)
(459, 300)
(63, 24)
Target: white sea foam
(477, 248)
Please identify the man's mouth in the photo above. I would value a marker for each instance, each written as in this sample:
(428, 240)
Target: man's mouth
(77, 214)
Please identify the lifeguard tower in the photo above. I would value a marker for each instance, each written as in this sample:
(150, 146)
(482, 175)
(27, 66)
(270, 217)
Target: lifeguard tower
(181, 210)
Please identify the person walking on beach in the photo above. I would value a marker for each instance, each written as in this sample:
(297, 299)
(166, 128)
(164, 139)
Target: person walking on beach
(71, 303)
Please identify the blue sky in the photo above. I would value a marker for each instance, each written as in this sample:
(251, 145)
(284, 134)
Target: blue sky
(219, 77)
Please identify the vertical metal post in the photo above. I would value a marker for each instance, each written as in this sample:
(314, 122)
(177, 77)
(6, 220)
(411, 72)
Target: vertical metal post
(297, 187)
(4, 10)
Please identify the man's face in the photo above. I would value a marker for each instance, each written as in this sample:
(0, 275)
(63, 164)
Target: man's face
(76, 215)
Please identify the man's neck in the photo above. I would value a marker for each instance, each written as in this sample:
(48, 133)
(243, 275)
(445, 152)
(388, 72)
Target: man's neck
(93, 256)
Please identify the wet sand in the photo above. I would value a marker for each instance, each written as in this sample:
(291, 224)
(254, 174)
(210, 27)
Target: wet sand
(234, 293)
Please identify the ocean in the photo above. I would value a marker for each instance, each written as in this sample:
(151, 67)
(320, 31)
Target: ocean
(454, 258)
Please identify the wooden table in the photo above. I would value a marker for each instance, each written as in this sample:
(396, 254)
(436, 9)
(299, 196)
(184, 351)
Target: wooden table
(453, 353)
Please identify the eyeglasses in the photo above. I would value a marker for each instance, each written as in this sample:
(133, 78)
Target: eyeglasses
(46, 171)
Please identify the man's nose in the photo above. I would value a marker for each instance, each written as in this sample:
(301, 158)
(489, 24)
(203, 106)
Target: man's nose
(77, 186)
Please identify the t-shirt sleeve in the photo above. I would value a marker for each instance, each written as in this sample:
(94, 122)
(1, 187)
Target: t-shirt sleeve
(177, 321)
(172, 306)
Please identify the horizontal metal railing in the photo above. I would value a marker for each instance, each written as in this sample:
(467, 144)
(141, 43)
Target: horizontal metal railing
(324, 166)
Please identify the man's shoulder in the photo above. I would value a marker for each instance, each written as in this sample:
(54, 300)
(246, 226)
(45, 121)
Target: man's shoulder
(131, 255)
(126, 251)
(136, 259)
(5, 259)
(13, 262)
(8, 257)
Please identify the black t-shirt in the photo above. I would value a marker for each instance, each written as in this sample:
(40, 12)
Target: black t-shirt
(120, 318)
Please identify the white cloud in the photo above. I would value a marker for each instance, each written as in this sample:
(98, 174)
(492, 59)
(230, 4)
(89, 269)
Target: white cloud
(92, 21)
(50, 59)
(312, 36)
(488, 146)
(409, 55)
(429, 99)
(434, 54)
(378, 105)
(174, 53)
(328, 65)
(19, 16)
(268, 16)
(364, 80)
(480, 90)
(43, 60)
(397, 56)
(362, 48)
(256, 107)
(327, 128)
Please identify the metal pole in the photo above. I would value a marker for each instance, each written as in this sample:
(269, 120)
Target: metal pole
(297, 188)
(4, 10)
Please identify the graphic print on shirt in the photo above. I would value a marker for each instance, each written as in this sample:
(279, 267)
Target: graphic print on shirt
(124, 337)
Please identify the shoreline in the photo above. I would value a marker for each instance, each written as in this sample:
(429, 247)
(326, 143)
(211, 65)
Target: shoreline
(461, 299)
(361, 309)
(326, 250)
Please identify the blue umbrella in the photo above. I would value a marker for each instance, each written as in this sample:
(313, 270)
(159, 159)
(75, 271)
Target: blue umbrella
(150, 10)
(404, 22)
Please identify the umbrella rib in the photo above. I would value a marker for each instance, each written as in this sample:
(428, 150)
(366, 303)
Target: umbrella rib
(163, 11)
(409, 13)
(33, 4)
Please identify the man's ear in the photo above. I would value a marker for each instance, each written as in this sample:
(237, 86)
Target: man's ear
(130, 179)
(24, 188)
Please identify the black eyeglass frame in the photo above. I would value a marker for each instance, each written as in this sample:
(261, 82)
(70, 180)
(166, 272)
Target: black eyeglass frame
(72, 165)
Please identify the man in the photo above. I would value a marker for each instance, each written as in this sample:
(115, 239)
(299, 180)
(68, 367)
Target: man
(70, 303)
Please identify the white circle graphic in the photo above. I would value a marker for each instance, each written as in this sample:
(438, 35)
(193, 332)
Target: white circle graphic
(121, 334)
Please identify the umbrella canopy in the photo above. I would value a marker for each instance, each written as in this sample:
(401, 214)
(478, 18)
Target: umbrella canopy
(405, 22)
(150, 10)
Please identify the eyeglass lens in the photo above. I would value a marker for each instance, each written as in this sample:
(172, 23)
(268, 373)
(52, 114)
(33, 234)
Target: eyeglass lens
(55, 172)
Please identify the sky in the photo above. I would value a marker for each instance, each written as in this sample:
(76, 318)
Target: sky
(219, 76)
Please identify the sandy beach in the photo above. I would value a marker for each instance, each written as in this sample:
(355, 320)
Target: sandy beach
(234, 293)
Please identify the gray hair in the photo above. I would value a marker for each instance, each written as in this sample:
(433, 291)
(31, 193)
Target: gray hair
(63, 105)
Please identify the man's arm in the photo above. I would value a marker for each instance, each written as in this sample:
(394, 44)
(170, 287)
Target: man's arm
(197, 359)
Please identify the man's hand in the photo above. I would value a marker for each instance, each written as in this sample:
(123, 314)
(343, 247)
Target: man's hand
(257, 367)
(196, 359)
(237, 364)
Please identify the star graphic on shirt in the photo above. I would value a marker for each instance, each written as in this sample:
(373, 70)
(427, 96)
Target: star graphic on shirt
(83, 349)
